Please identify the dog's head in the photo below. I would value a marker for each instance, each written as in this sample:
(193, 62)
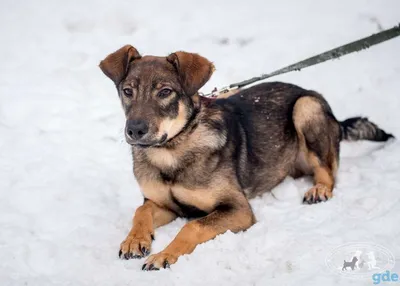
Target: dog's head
(158, 94)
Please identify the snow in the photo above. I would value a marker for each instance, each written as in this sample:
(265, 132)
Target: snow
(67, 193)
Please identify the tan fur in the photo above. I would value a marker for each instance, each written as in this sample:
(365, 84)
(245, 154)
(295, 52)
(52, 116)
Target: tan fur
(160, 193)
(147, 217)
(322, 175)
(335, 166)
(307, 111)
(163, 158)
(197, 232)
(228, 94)
(156, 191)
(185, 242)
(202, 199)
(175, 125)
(318, 192)
(162, 216)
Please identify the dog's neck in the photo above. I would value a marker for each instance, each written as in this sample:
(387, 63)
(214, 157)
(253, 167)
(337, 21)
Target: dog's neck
(189, 128)
(201, 103)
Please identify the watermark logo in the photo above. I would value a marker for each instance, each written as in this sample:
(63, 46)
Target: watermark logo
(360, 260)
(386, 276)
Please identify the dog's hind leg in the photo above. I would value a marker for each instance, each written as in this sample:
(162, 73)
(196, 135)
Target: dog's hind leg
(319, 138)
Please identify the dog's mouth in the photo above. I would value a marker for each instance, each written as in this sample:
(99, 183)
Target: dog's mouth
(159, 143)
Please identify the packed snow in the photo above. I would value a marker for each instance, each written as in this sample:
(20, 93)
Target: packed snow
(67, 192)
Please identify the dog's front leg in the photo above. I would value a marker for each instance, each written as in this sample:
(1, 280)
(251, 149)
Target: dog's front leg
(235, 216)
(147, 217)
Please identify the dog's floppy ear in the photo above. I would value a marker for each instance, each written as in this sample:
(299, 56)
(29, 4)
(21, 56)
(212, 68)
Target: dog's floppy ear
(194, 70)
(115, 65)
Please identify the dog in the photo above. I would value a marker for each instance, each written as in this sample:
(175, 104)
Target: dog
(204, 159)
(351, 264)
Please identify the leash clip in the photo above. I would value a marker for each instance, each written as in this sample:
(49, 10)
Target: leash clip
(222, 92)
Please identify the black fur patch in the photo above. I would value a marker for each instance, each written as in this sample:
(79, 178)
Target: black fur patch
(167, 177)
(188, 211)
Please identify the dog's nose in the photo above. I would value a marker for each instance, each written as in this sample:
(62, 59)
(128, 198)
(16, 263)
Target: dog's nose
(136, 129)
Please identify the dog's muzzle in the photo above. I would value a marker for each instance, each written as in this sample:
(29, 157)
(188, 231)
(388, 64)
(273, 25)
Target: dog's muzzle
(137, 134)
(136, 129)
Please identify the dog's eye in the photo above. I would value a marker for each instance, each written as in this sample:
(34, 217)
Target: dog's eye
(164, 92)
(127, 92)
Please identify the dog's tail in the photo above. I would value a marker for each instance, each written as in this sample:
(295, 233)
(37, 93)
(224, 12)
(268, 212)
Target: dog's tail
(360, 128)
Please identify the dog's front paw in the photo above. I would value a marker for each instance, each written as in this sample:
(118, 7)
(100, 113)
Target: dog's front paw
(318, 193)
(137, 245)
(159, 260)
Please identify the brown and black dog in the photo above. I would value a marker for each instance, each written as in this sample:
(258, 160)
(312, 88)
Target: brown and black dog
(205, 161)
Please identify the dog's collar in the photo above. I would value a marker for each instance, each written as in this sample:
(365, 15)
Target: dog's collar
(205, 100)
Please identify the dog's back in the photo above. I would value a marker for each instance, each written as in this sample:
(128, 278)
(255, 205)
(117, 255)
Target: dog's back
(260, 122)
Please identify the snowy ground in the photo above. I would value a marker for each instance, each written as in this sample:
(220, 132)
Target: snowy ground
(67, 194)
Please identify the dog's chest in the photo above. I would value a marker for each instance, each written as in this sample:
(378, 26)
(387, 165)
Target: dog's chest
(187, 202)
(170, 178)
(164, 159)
